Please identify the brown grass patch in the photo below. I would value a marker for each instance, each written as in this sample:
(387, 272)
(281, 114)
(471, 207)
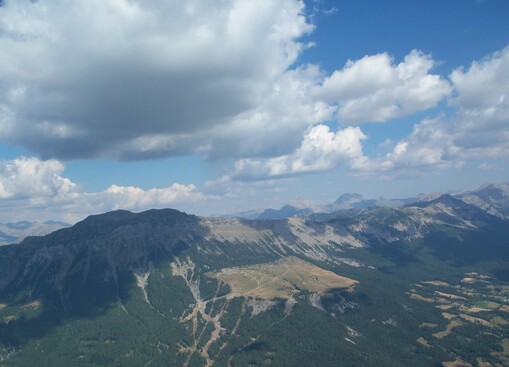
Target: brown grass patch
(418, 297)
(2, 306)
(9, 318)
(281, 279)
(423, 342)
(469, 280)
(448, 316)
(451, 296)
(476, 310)
(504, 308)
(499, 321)
(487, 305)
(481, 363)
(442, 334)
(475, 320)
(446, 307)
(437, 283)
(456, 363)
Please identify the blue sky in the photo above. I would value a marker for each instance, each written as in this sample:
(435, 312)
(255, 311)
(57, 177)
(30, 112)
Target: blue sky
(221, 107)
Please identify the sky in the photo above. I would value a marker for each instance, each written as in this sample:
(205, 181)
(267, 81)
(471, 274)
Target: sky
(217, 107)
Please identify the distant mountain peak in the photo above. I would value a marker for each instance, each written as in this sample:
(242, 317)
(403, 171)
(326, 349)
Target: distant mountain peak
(348, 197)
(430, 200)
(302, 203)
(428, 197)
(24, 224)
(286, 211)
(12, 233)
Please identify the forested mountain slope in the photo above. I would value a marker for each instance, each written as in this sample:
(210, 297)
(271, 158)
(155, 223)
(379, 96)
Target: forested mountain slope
(419, 285)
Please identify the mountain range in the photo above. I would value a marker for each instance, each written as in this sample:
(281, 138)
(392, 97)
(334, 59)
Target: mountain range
(425, 283)
(16, 232)
(493, 198)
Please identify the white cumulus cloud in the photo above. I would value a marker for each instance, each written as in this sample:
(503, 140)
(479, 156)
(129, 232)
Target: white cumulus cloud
(375, 89)
(482, 100)
(479, 128)
(485, 85)
(31, 189)
(130, 197)
(100, 78)
(276, 126)
(27, 177)
(321, 149)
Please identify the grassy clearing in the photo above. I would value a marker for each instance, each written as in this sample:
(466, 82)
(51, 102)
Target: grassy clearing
(2, 306)
(451, 296)
(487, 305)
(469, 280)
(281, 279)
(447, 307)
(477, 309)
(437, 283)
(456, 363)
(499, 321)
(10, 318)
(448, 316)
(464, 309)
(481, 363)
(418, 297)
(448, 330)
(423, 342)
(476, 320)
